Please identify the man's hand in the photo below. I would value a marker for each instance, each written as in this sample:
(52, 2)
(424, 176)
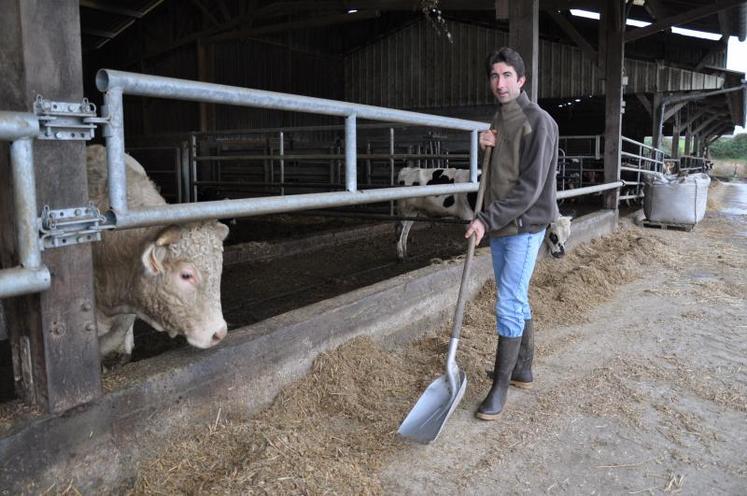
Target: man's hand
(487, 138)
(477, 228)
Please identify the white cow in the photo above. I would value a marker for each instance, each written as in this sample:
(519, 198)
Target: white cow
(169, 277)
(460, 205)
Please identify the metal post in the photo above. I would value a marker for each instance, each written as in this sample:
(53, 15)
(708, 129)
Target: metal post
(391, 166)
(114, 134)
(351, 172)
(193, 167)
(24, 193)
(282, 162)
(473, 156)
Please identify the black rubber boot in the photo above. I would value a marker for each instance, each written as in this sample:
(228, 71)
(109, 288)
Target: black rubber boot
(505, 360)
(522, 375)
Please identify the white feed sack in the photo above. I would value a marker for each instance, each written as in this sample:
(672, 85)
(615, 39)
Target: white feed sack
(675, 200)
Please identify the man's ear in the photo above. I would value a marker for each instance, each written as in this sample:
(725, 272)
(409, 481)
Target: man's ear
(521, 81)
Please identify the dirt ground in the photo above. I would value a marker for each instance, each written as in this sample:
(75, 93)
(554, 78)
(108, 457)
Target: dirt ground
(640, 388)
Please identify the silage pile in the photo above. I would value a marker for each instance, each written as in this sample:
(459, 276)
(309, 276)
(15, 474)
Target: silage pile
(331, 432)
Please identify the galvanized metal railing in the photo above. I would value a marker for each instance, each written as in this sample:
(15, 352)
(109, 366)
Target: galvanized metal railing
(117, 83)
(31, 275)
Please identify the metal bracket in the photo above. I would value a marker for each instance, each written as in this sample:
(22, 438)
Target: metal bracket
(66, 120)
(71, 226)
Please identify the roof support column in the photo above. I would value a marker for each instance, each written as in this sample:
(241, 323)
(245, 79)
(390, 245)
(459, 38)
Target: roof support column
(52, 334)
(523, 36)
(658, 119)
(676, 135)
(613, 22)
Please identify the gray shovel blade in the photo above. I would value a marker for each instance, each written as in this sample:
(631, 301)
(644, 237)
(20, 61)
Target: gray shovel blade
(427, 418)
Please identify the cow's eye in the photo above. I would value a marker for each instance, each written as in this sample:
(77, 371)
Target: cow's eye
(187, 276)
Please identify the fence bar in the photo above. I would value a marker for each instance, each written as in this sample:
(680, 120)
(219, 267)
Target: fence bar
(115, 149)
(570, 193)
(182, 89)
(31, 276)
(153, 216)
(17, 125)
(351, 169)
(24, 200)
(473, 156)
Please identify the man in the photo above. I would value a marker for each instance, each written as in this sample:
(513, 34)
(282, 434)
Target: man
(519, 204)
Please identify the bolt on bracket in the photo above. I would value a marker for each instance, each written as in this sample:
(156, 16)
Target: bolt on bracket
(66, 120)
(71, 226)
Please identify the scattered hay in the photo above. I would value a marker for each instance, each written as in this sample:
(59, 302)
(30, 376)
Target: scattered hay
(564, 291)
(331, 431)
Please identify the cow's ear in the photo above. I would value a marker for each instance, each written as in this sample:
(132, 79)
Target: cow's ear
(153, 257)
(222, 230)
(168, 236)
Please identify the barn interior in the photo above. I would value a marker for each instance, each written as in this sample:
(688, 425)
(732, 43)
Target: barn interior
(615, 94)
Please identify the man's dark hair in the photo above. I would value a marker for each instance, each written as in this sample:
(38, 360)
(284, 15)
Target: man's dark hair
(508, 56)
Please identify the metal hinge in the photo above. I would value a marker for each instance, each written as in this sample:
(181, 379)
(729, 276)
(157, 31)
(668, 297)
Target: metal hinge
(66, 120)
(71, 226)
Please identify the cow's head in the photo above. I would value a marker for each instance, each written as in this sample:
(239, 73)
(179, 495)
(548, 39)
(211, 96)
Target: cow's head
(557, 235)
(179, 285)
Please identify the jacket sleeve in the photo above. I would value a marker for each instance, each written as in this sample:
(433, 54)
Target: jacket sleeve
(536, 155)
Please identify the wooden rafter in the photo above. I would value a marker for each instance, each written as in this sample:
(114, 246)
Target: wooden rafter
(574, 35)
(683, 18)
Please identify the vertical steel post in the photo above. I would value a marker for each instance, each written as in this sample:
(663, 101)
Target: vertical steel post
(114, 134)
(391, 166)
(473, 156)
(24, 196)
(351, 169)
(282, 163)
(193, 167)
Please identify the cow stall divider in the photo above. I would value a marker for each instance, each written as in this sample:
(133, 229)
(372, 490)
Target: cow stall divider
(115, 84)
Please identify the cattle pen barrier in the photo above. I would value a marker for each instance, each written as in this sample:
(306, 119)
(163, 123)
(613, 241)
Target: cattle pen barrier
(31, 276)
(115, 84)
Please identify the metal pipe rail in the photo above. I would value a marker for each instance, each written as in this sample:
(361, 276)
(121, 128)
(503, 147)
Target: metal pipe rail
(117, 83)
(570, 193)
(31, 275)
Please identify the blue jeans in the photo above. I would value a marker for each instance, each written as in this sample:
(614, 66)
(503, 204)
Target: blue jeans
(513, 263)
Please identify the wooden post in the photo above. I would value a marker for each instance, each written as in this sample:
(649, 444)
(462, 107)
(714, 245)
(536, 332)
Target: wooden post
(523, 36)
(657, 120)
(613, 21)
(676, 135)
(205, 59)
(52, 334)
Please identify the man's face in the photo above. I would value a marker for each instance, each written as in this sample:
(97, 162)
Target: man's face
(504, 83)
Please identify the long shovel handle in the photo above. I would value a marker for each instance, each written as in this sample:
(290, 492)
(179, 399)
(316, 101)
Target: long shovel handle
(452, 371)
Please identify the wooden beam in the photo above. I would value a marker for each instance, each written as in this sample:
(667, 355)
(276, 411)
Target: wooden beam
(673, 110)
(314, 22)
(501, 9)
(613, 25)
(657, 119)
(206, 12)
(111, 9)
(704, 123)
(644, 101)
(523, 36)
(683, 18)
(574, 35)
(52, 334)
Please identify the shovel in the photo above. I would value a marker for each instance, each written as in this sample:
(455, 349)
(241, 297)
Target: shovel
(427, 418)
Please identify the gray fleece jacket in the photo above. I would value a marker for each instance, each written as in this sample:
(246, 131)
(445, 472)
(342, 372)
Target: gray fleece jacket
(520, 195)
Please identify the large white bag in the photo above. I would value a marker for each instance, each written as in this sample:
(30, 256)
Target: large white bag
(675, 199)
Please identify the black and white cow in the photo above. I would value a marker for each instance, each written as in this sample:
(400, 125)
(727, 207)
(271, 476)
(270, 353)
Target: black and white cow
(557, 235)
(460, 205)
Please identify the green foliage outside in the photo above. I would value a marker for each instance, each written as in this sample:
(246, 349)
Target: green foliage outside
(728, 147)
